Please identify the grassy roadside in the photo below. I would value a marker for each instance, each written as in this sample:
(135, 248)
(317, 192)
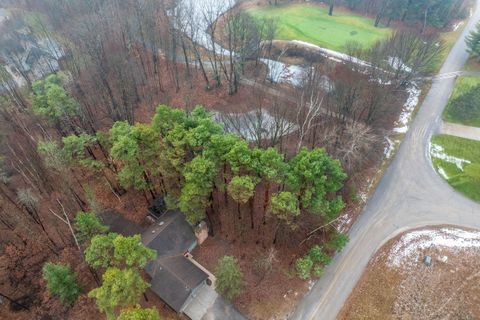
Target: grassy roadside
(472, 64)
(457, 160)
(464, 104)
(312, 23)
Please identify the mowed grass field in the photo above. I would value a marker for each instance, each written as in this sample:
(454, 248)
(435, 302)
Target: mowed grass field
(311, 23)
(458, 161)
(467, 110)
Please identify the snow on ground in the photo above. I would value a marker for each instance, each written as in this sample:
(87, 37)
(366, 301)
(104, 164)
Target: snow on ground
(343, 222)
(196, 16)
(437, 151)
(442, 172)
(407, 251)
(408, 108)
(331, 53)
(457, 25)
(397, 64)
(284, 73)
(280, 72)
(193, 13)
(389, 147)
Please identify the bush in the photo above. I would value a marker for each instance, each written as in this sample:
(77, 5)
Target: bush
(318, 271)
(139, 314)
(318, 256)
(304, 267)
(314, 260)
(338, 241)
(61, 282)
(229, 277)
(87, 225)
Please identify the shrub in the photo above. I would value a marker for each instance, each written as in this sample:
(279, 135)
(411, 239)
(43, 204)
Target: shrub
(61, 282)
(229, 277)
(304, 267)
(318, 271)
(317, 255)
(87, 225)
(138, 313)
(338, 241)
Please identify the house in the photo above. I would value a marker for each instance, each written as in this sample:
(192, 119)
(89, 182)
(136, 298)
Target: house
(174, 277)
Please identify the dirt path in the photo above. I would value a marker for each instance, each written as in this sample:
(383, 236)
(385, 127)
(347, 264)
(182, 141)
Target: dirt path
(460, 130)
(411, 194)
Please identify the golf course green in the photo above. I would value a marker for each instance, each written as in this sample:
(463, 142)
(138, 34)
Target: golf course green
(311, 23)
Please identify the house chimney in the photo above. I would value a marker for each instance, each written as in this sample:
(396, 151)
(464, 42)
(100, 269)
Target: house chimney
(201, 232)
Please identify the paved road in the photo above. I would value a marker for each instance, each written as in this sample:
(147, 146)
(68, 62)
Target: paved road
(409, 195)
(459, 130)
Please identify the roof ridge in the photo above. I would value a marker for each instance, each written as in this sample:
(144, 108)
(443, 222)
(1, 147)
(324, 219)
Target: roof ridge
(175, 274)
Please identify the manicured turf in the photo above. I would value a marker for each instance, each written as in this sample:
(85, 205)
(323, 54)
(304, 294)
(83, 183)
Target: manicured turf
(311, 23)
(467, 110)
(467, 178)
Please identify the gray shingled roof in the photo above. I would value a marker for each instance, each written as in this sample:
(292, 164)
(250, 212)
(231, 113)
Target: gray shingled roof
(174, 277)
(119, 224)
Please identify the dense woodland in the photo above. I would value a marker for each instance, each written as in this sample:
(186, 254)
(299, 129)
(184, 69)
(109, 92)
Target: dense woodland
(136, 112)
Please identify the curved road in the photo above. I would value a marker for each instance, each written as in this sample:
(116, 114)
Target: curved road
(409, 195)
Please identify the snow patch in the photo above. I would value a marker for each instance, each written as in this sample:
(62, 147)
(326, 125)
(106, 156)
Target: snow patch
(442, 172)
(437, 151)
(457, 25)
(389, 147)
(397, 64)
(408, 250)
(331, 53)
(192, 14)
(408, 108)
(311, 283)
(281, 72)
(343, 222)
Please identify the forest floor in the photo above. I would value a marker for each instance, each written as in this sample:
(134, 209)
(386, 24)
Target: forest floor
(398, 285)
(266, 294)
(311, 23)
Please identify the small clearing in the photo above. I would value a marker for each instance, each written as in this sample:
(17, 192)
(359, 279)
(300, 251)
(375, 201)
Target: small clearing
(399, 285)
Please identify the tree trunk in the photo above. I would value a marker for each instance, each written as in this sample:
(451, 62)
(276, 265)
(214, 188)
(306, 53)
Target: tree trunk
(332, 5)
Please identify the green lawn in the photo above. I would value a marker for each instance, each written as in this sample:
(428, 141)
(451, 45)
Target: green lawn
(464, 104)
(311, 23)
(458, 161)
